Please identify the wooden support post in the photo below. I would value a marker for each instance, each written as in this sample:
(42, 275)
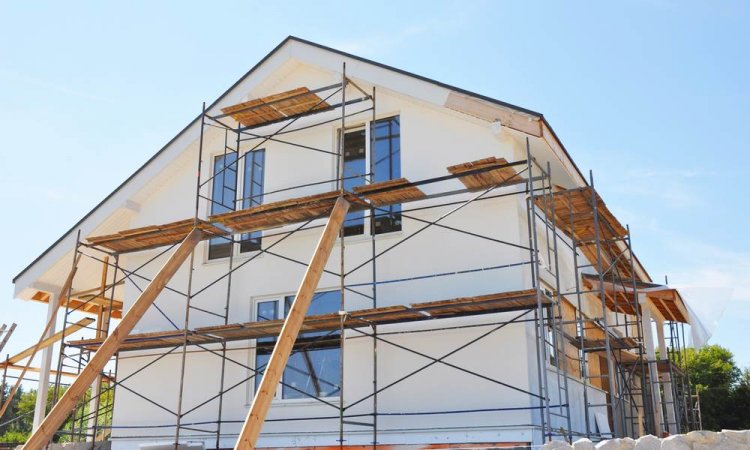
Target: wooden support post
(283, 348)
(68, 401)
(18, 357)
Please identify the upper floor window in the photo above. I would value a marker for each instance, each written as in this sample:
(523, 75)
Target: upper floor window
(223, 195)
(385, 164)
(313, 367)
(355, 173)
(252, 194)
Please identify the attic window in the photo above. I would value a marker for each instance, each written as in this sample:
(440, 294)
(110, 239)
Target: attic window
(381, 149)
(223, 195)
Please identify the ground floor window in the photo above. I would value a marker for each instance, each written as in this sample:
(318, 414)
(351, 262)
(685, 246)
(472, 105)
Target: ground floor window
(313, 367)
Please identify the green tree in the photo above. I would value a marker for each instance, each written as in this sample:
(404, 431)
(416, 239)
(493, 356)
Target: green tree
(724, 389)
(740, 403)
(17, 421)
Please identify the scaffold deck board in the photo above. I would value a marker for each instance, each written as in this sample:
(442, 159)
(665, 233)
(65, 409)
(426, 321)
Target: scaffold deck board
(275, 107)
(662, 366)
(285, 212)
(486, 179)
(300, 209)
(153, 236)
(598, 344)
(389, 192)
(574, 214)
(457, 307)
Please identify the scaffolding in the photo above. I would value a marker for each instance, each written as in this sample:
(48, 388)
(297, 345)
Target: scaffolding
(600, 347)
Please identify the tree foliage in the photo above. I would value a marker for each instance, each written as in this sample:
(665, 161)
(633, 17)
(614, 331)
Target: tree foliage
(17, 422)
(724, 389)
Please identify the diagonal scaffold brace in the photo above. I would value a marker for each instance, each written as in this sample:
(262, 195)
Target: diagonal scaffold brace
(68, 401)
(288, 335)
(41, 342)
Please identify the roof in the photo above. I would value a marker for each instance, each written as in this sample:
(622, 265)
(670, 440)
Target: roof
(251, 71)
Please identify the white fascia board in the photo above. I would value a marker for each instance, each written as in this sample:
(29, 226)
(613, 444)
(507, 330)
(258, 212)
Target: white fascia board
(380, 76)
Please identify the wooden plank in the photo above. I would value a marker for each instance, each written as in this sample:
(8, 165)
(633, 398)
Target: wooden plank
(49, 341)
(389, 192)
(38, 370)
(274, 107)
(457, 307)
(68, 401)
(153, 236)
(283, 348)
(501, 174)
(285, 212)
(7, 332)
(491, 112)
(105, 378)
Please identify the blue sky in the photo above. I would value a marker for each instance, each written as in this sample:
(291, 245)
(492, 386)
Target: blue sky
(652, 96)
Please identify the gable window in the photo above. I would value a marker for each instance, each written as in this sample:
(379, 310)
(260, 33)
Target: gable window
(252, 194)
(381, 147)
(223, 194)
(355, 170)
(313, 367)
(386, 165)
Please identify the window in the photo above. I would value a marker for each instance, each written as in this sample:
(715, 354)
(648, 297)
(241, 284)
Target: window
(252, 194)
(386, 165)
(223, 194)
(224, 197)
(313, 367)
(355, 147)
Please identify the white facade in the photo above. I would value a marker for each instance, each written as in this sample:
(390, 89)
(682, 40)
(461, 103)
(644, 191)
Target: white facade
(437, 405)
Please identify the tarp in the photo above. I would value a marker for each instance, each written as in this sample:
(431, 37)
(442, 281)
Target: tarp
(705, 307)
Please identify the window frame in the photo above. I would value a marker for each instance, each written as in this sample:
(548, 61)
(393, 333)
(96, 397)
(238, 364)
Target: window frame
(279, 299)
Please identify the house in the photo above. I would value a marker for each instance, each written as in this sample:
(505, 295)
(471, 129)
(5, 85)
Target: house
(466, 283)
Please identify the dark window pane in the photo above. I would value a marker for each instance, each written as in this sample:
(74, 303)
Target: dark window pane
(355, 169)
(252, 194)
(223, 195)
(387, 166)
